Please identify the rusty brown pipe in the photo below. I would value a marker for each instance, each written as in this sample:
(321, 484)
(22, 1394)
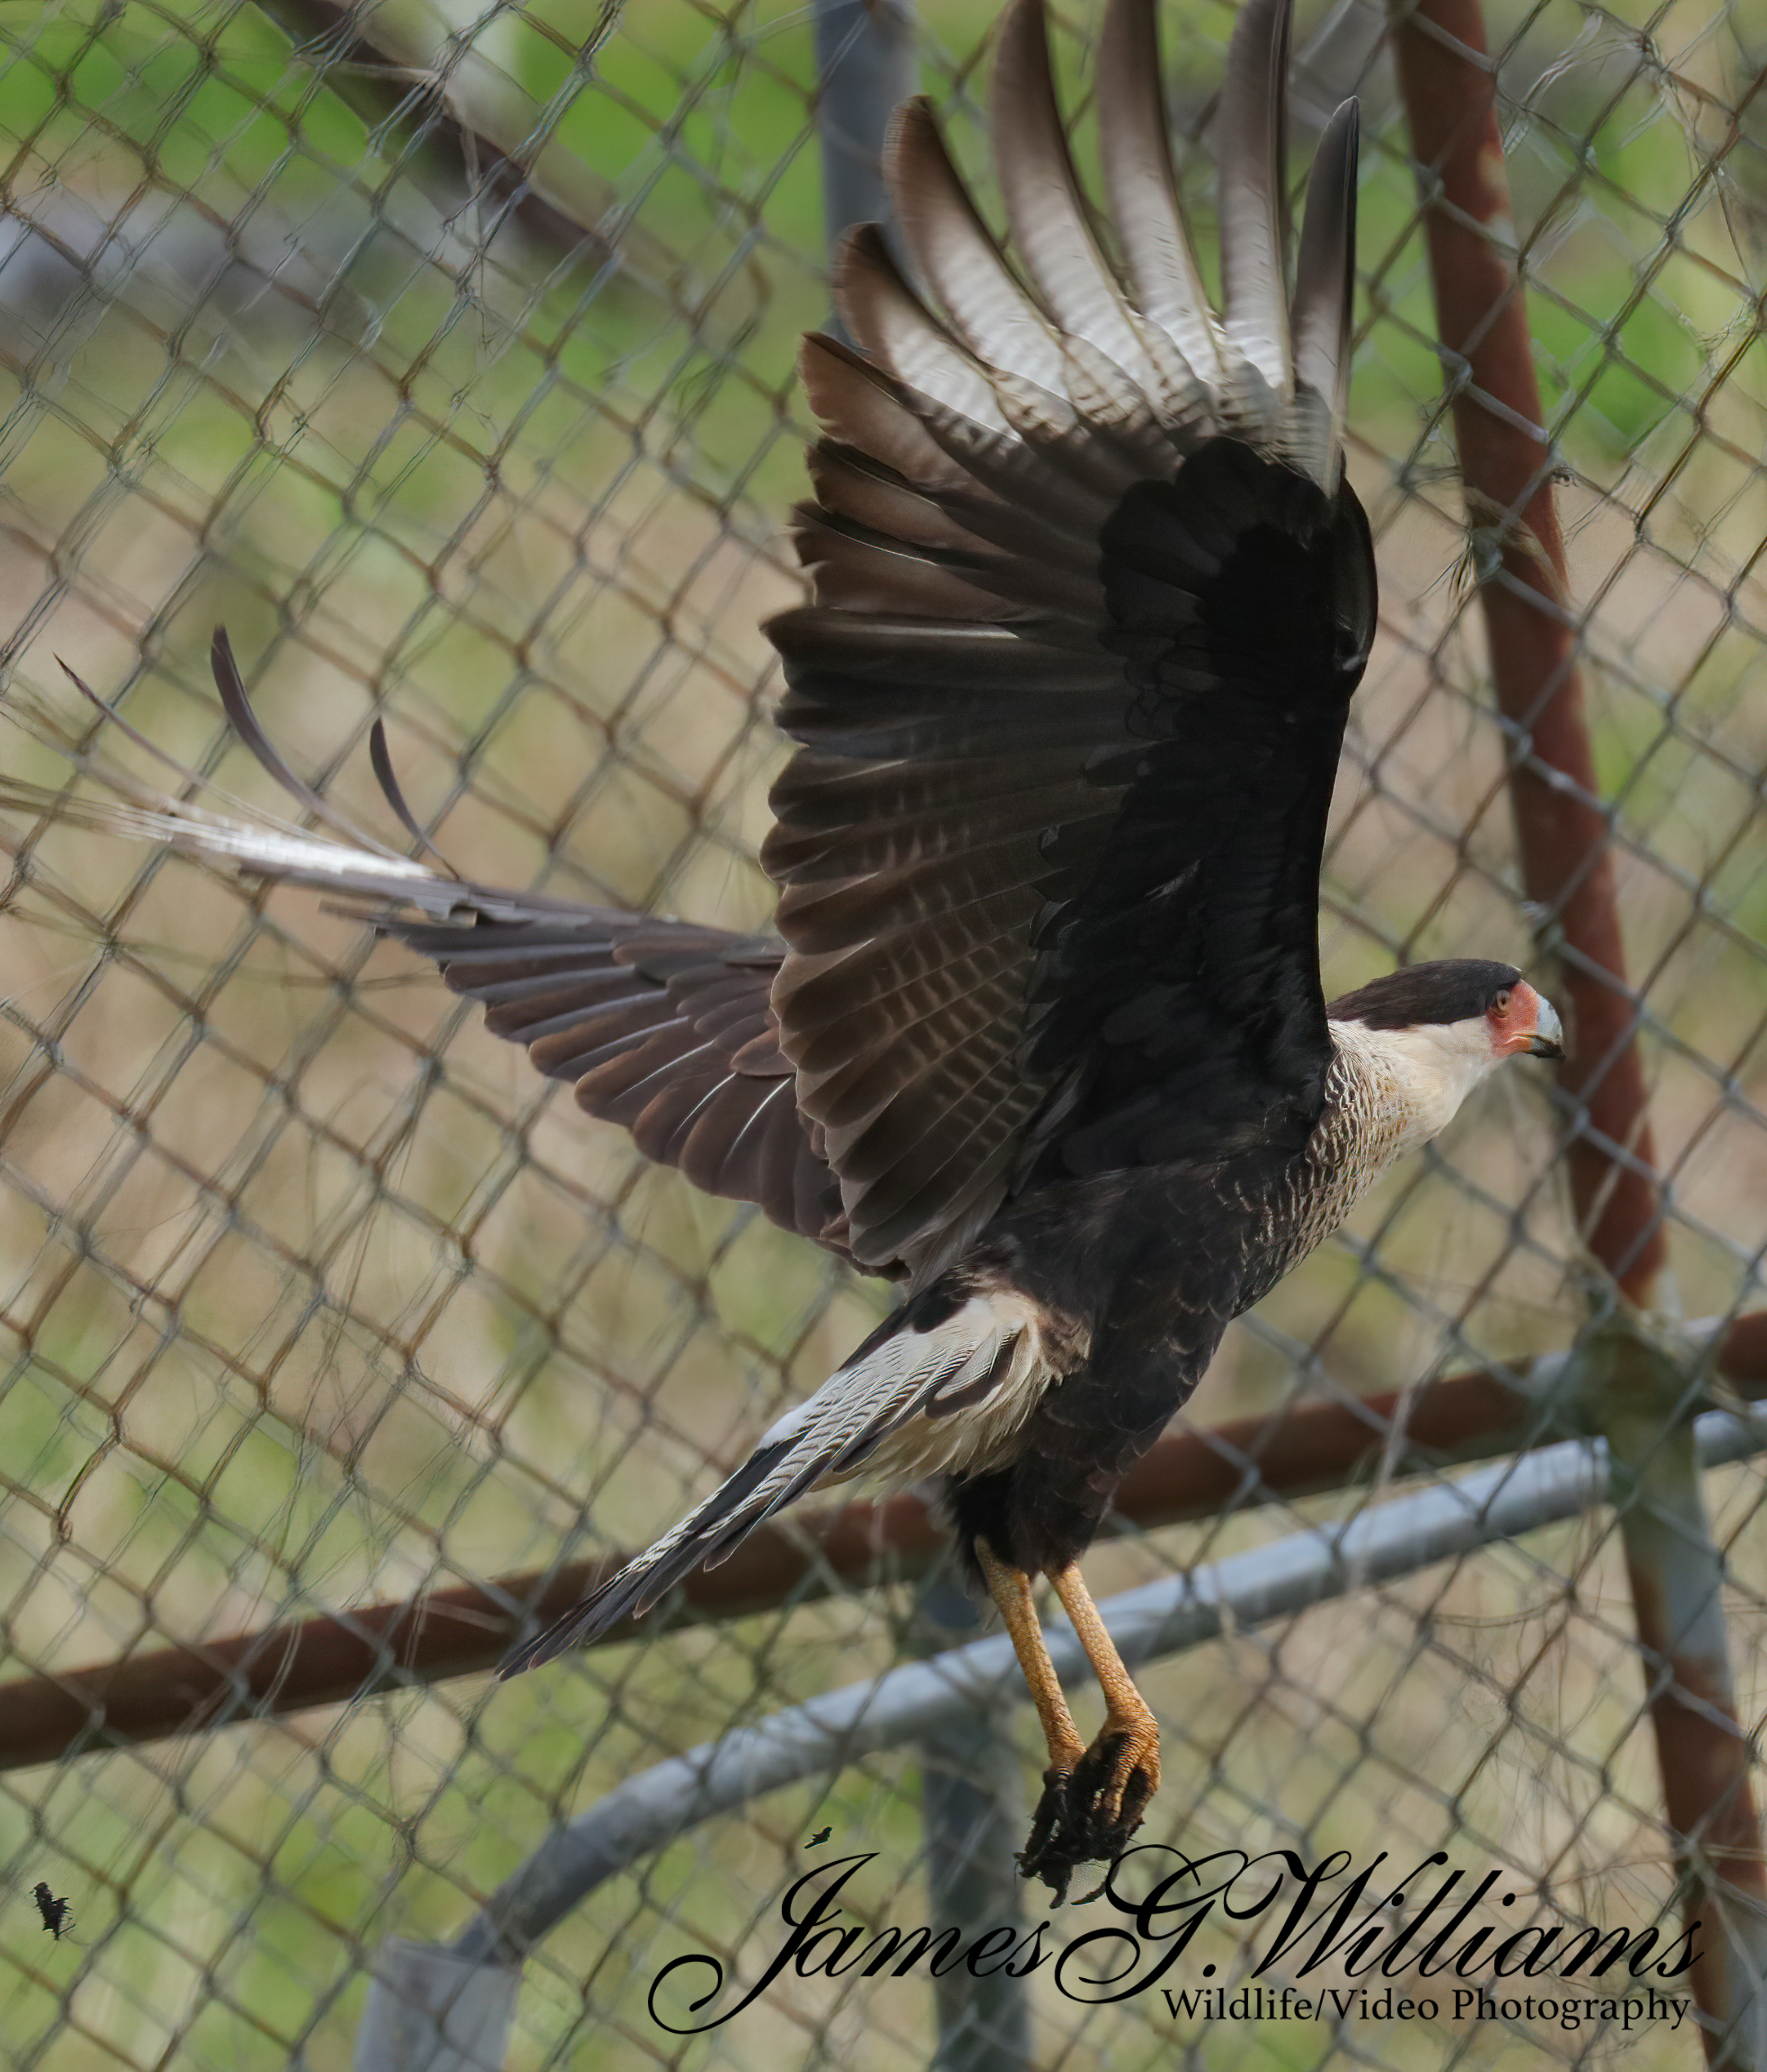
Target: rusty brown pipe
(345, 1657)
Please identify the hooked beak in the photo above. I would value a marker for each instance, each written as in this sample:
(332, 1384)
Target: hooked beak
(1547, 1038)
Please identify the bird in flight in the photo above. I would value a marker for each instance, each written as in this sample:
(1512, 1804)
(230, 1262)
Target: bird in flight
(57, 1915)
(1042, 1034)
(818, 1838)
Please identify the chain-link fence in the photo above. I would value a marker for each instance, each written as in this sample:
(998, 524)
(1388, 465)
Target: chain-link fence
(447, 358)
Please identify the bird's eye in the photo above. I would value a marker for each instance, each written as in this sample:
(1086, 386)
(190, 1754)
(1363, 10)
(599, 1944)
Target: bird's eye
(1501, 1004)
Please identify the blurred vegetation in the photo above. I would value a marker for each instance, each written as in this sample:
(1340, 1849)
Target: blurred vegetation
(311, 1295)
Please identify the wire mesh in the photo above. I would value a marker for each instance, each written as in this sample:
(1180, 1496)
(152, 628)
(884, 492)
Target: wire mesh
(446, 357)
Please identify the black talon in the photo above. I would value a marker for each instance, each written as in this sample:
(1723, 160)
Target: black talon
(1085, 1816)
(1046, 1853)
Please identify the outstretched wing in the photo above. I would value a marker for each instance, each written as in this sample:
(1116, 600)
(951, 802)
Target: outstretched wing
(662, 1026)
(1091, 598)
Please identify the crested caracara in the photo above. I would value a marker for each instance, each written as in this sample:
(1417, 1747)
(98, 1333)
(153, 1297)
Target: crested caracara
(1042, 1033)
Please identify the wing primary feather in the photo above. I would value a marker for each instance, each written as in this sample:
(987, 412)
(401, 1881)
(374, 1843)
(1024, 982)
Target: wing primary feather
(1324, 289)
(1134, 143)
(237, 707)
(888, 319)
(859, 404)
(381, 759)
(194, 778)
(951, 246)
(1252, 124)
(1049, 223)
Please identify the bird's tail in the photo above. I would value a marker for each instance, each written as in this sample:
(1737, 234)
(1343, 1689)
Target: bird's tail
(953, 1359)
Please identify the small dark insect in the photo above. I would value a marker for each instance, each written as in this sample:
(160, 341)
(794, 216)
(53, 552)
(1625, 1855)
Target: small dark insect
(817, 1839)
(53, 1911)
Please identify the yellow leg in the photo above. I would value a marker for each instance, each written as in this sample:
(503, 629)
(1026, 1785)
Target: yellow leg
(1010, 1590)
(1125, 1710)
(1093, 1797)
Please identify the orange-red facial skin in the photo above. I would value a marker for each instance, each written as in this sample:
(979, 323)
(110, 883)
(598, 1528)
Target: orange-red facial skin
(1513, 1019)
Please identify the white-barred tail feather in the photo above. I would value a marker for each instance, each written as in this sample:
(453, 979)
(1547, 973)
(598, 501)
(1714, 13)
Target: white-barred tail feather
(910, 1403)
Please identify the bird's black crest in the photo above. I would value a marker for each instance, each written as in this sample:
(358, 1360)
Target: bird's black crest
(1454, 990)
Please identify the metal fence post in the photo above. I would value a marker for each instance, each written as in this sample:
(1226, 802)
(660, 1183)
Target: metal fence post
(973, 1812)
(1644, 1401)
(1448, 79)
(866, 67)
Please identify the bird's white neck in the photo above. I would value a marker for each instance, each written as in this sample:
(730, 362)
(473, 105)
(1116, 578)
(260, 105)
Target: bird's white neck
(1406, 1085)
